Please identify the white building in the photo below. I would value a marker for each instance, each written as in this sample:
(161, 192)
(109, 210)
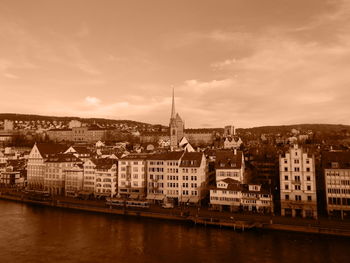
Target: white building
(74, 177)
(298, 183)
(56, 166)
(89, 176)
(36, 167)
(177, 177)
(337, 183)
(132, 176)
(106, 177)
(229, 164)
(232, 195)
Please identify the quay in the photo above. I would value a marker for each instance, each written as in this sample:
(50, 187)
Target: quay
(237, 222)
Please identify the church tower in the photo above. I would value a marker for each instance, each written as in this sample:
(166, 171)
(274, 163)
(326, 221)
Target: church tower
(176, 127)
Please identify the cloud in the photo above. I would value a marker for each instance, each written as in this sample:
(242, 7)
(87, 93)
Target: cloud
(92, 101)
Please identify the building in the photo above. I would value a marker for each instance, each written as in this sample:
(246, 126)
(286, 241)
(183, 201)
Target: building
(89, 176)
(298, 183)
(193, 179)
(177, 127)
(57, 166)
(229, 164)
(106, 177)
(132, 180)
(336, 167)
(74, 178)
(231, 195)
(163, 177)
(36, 166)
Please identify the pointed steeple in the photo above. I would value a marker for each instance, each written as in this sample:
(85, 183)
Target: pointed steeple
(173, 114)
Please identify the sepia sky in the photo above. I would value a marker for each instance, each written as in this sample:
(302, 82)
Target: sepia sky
(242, 62)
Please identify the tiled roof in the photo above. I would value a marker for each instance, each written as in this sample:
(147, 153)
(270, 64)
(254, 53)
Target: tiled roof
(104, 163)
(136, 156)
(62, 158)
(342, 158)
(191, 159)
(46, 149)
(82, 150)
(166, 156)
(228, 160)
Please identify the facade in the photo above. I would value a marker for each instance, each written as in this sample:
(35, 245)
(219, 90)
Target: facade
(132, 180)
(298, 183)
(78, 134)
(163, 176)
(56, 168)
(106, 177)
(229, 164)
(232, 195)
(193, 178)
(11, 178)
(336, 167)
(74, 177)
(177, 177)
(36, 166)
(89, 176)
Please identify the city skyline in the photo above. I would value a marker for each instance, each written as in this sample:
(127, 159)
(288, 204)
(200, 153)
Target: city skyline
(245, 63)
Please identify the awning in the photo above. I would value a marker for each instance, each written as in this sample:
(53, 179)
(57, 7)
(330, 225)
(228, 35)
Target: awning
(150, 196)
(183, 199)
(159, 197)
(194, 199)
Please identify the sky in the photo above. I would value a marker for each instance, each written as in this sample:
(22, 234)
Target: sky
(246, 63)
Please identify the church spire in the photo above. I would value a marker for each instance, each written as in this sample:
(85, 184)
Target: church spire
(173, 107)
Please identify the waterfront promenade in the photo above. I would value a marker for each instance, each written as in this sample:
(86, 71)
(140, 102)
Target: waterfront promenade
(203, 215)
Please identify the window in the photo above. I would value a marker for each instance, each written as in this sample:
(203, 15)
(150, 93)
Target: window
(308, 187)
(308, 178)
(297, 187)
(308, 169)
(297, 178)
(287, 197)
(298, 198)
(309, 198)
(307, 161)
(296, 169)
(286, 169)
(286, 186)
(286, 177)
(296, 161)
(285, 161)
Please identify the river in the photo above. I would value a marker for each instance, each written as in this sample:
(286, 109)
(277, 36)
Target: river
(40, 234)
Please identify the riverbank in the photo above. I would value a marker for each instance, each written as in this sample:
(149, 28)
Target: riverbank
(236, 222)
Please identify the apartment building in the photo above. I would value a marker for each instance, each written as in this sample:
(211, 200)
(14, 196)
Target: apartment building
(229, 164)
(36, 166)
(106, 177)
(89, 176)
(298, 183)
(132, 170)
(56, 167)
(336, 167)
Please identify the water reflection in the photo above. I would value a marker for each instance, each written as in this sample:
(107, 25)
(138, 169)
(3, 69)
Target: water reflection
(37, 234)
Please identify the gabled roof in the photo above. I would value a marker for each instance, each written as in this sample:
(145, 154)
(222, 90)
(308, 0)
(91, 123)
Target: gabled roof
(81, 149)
(166, 156)
(47, 149)
(104, 163)
(62, 158)
(136, 156)
(228, 160)
(191, 159)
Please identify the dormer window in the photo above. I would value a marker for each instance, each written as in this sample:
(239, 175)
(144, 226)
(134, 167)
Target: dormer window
(335, 165)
